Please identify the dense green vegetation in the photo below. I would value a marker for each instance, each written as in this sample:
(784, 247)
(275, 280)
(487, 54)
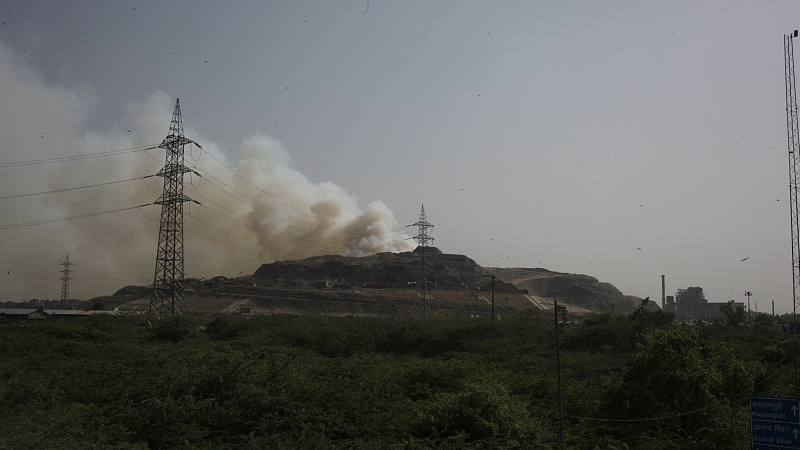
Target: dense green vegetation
(288, 382)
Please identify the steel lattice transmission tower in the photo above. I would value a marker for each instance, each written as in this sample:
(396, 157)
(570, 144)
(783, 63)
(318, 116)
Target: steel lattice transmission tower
(794, 169)
(65, 282)
(168, 295)
(422, 239)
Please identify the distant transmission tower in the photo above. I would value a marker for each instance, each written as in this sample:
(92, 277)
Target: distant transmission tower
(65, 283)
(422, 247)
(794, 169)
(168, 295)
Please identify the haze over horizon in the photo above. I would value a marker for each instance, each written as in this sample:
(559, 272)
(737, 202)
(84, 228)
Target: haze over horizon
(621, 140)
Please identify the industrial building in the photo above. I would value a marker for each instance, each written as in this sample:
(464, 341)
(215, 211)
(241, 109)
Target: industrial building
(691, 303)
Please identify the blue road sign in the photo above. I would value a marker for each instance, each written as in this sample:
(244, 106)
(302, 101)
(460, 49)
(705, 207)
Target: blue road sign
(774, 423)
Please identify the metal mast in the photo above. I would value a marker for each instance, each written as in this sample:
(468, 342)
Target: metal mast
(65, 282)
(422, 247)
(168, 297)
(794, 169)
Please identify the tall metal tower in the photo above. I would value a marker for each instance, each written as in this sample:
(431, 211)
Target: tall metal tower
(65, 283)
(422, 239)
(794, 169)
(168, 296)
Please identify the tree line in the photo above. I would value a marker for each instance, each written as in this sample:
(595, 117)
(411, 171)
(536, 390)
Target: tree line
(637, 381)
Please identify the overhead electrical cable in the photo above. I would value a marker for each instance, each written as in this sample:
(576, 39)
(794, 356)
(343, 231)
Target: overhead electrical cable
(221, 263)
(330, 244)
(22, 260)
(49, 273)
(243, 178)
(7, 197)
(37, 278)
(208, 175)
(249, 267)
(139, 279)
(77, 157)
(79, 264)
(31, 257)
(57, 261)
(62, 219)
(233, 263)
(261, 190)
(316, 223)
(249, 258)
(99, 271)
(247, 240)
(262, 230)
(252, 184)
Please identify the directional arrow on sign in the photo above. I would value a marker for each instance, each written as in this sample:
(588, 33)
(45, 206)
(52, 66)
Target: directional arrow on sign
(796, 433)
(794, 410)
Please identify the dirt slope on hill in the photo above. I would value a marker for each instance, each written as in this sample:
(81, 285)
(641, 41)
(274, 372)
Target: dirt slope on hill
(580, 291)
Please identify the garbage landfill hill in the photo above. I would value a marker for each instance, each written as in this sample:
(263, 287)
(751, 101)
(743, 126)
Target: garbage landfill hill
(387, 285)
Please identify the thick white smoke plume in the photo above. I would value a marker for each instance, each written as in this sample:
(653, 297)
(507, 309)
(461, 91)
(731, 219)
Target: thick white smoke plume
(269, 211)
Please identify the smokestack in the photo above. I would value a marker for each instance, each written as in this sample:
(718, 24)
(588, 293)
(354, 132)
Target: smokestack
(663, 292)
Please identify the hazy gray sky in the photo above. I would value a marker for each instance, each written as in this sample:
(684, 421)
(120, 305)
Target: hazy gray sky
(623, 140)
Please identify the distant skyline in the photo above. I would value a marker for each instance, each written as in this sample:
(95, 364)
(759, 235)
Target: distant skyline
(623, 140)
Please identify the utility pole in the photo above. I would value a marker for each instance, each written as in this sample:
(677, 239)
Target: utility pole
(422, 247)
(168, 292)
(65, 282)
(557, 309)
(492, 298)
(748, 294)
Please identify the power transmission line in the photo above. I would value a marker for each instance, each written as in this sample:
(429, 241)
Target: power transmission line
(258, 227)
(38, 266)
(31, 194)
(77, 157)
(168, 292)
(264, 192)
(62, 219)
(247, 240)
(315, 223)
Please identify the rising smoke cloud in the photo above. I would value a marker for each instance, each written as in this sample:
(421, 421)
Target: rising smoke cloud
(277, 213)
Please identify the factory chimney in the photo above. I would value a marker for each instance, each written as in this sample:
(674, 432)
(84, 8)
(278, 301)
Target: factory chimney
(663, 292)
